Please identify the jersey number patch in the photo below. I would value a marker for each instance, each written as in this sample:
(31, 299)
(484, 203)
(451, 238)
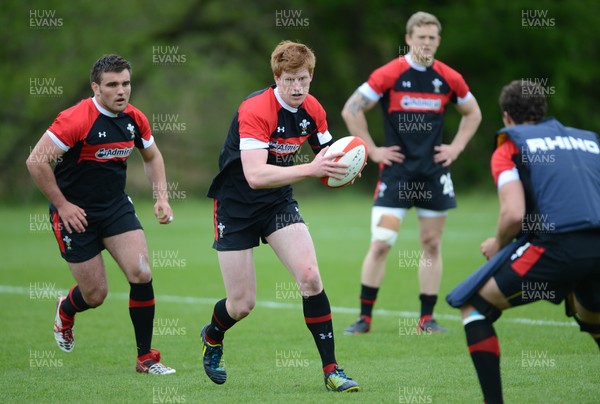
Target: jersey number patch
(447, 186)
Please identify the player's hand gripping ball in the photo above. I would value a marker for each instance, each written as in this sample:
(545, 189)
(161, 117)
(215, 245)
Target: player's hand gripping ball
(355, 157)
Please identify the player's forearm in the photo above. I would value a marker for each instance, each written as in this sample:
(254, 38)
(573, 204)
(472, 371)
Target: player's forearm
(272, 176)
(353, 114)
(509, 226)
(511, 197)
(466, 130)
(43, 176)
(357, 126)
(156, 174)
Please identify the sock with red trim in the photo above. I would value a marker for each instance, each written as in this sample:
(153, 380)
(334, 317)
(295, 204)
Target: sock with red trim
(485, 353)
(427, 304)
(368, 296)
(221, 321)
(141, 311)
(317, 315)
(74, 303)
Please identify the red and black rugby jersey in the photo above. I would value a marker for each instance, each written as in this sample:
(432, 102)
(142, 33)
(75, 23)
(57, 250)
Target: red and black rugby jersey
(265, 121)
(92, 171)
(413, 99)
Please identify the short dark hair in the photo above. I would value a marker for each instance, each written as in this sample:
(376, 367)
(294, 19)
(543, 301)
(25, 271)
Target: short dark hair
(524, 101)
(108, 63)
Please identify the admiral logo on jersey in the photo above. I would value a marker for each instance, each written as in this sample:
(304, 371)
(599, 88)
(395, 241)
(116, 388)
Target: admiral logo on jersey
(421, 104)
(110, 153)
(283, 148)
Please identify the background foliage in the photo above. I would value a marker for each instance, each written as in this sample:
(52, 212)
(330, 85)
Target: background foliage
(219, 52)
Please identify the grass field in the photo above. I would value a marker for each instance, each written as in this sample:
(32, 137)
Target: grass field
(270, 355)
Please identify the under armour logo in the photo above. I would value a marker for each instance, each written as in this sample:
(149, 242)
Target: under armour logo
(406, 84)
(280, 129)
(102, 134)
(328, 335)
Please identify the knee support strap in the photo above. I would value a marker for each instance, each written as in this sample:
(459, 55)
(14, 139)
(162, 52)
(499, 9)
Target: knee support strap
(386, 229)
(484, 307)
(587, 327)
(386, 235)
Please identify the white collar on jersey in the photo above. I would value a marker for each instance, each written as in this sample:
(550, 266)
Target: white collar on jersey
(282, 102)
(414, 64)
(102, 110)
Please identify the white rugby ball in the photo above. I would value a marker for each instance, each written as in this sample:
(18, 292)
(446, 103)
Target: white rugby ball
(355, 157)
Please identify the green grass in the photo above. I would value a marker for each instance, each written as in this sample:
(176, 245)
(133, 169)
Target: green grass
(391, 364)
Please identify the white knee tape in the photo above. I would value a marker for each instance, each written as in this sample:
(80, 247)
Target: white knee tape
(383, 234)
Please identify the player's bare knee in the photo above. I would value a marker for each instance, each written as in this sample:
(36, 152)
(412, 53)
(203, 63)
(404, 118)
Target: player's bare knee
(309, 282)
(144, 277)
(95, 297)
(140, 272)
(466, 310)
(238, 309)
(431, 243)
(242, 311)
(380, 249)
(310, 285)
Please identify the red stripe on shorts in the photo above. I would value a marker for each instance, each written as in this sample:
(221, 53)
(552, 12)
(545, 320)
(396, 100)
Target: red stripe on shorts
(56, 228)
(216, 223)
(525, 262)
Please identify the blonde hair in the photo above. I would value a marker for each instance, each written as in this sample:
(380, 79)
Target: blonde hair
(292, 56)
(422, 18)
